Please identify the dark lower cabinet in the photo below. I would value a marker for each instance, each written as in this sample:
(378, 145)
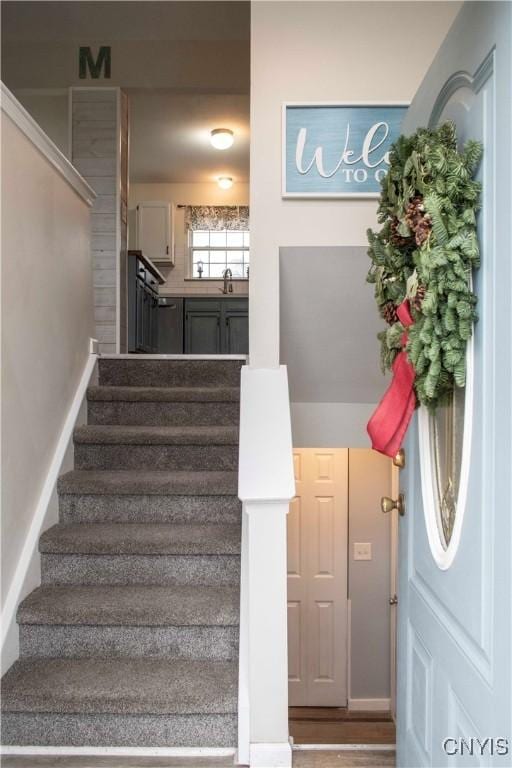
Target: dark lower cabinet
(216, 326)
(142, 308)
(236, 332)
(202, 331)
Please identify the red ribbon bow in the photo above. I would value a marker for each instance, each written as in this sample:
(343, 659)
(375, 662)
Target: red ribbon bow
(389, 422)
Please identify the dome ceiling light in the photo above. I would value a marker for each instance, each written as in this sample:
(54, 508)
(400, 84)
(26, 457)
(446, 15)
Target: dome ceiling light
(222, 138)
(225, 182)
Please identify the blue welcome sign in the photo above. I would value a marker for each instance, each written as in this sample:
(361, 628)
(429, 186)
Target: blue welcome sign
(337, 150)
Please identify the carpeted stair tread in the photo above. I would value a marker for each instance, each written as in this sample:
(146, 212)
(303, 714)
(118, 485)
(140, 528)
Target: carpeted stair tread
(141, 539)
(136, 371)
(164, 394)
(151, 435)
(121, 686)
(148, 482)
(137, 605)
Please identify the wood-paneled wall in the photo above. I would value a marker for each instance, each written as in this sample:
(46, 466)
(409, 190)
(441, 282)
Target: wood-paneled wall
(99, 150)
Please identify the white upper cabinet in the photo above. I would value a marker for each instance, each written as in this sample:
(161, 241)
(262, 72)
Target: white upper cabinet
(154, 231)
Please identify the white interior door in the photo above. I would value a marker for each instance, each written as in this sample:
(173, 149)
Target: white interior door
(317, 579)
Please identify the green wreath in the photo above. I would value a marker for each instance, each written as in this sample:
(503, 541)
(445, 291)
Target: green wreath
(425, 252)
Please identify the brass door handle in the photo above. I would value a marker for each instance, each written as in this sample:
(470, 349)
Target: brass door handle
(387, 504)
(399, 460)
(393, 600)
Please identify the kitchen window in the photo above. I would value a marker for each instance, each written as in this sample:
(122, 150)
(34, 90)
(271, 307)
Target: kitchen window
(218, 239)
(214, 251)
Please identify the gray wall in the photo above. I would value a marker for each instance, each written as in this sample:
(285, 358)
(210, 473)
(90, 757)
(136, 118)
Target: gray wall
(328, 324)
(328, 327)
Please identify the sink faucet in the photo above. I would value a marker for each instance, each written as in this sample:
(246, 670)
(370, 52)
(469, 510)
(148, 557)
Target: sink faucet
(227, 275)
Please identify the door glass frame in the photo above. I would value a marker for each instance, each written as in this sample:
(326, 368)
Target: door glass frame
(445, 555)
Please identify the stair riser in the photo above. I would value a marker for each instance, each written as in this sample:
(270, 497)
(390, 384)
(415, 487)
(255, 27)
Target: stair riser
(165, 373)
(140, 569)
(75, 641)
(157, 457)
(119, 730)
(163, 414)
(76, 508)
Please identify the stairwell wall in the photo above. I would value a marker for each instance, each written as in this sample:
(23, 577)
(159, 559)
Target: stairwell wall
(47, 318)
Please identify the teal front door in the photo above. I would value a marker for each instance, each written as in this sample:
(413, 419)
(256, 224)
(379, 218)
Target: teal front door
(454, 642)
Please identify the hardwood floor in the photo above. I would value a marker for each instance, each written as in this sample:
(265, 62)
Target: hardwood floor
(318, 759)
(336, 725)
(344, 759)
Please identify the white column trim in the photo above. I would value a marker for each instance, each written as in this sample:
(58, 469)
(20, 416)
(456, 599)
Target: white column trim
(244, 730)
(33, 131)
(278, 755)
(266, 484)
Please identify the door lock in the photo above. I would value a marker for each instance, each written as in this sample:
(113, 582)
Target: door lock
(393, 600)
(387, 504)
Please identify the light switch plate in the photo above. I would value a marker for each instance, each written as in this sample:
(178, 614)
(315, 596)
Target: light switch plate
(362, 550)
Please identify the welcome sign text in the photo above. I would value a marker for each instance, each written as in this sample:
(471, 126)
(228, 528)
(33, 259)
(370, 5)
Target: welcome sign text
(337, 150)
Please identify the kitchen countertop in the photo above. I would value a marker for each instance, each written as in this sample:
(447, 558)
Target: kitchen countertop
(218, 295)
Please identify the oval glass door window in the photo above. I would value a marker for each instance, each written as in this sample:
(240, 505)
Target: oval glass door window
(445, 435)
(445, 453)
(446, 440)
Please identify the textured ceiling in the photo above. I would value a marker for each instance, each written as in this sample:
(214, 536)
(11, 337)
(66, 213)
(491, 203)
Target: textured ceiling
(110, 21)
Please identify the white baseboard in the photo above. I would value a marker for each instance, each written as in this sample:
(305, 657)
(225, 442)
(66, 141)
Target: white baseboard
(121, 751)
(278, 755)
(27, 575)
(369, 705)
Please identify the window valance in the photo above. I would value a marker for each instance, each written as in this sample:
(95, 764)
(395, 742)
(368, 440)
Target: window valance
(217, 217)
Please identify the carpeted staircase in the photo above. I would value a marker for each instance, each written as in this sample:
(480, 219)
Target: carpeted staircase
(132, 638)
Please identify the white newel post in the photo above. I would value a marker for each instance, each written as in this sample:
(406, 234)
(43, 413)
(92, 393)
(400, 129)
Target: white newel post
(266, 486)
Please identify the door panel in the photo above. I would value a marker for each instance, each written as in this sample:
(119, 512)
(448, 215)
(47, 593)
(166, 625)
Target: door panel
(317, 579)
(153, 232)
(454, 623)
(236, 338)
(202, 332)
(139, 301)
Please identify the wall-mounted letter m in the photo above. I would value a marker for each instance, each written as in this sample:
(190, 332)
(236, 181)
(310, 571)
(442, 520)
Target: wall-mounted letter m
(87, 62)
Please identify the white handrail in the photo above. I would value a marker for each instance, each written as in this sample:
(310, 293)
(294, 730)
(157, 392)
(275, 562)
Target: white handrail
(33, 131)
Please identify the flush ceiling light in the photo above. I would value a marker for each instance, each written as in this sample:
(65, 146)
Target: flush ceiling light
(222, 138)
(225, 182)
